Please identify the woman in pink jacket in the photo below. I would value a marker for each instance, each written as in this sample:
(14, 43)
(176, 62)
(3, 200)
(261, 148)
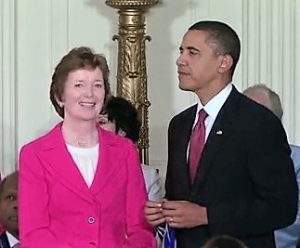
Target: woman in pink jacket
(81, 186)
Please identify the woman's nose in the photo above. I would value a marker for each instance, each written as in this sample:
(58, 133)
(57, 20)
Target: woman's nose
(89, 91)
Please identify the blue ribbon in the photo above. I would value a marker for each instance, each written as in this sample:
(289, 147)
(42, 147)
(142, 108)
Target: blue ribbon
(169, 238)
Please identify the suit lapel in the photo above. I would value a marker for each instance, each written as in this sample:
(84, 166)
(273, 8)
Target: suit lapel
(108, 162)
(61, 165)
(184, 129)
(4, 241)
(221, 128)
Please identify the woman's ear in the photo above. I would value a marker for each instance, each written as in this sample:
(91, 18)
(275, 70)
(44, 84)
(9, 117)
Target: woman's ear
(60, 102)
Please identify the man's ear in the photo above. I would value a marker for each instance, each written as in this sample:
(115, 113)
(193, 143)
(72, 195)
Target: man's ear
(226, 63)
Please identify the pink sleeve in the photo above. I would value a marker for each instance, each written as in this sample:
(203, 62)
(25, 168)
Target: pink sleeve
(33, 200)
(140, 234)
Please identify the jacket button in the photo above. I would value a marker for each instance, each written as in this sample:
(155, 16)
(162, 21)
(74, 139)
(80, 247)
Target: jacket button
(91, 220)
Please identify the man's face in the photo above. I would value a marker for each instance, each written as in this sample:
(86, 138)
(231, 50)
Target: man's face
(9, 205)
(198, 63)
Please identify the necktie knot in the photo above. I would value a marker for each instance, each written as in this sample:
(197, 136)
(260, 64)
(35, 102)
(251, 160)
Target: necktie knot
(202, 115)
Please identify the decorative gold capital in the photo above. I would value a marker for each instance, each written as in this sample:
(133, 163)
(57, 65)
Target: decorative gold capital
(131, 4)
(131, 72)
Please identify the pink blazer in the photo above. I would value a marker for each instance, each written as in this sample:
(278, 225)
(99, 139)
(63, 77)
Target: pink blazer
(58, 210)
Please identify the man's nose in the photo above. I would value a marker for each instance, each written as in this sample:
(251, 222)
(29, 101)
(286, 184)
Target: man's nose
(180, 60)
(15, 205)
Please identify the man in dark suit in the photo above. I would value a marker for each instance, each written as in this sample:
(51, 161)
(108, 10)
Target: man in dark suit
(9, 211)
(244, 184)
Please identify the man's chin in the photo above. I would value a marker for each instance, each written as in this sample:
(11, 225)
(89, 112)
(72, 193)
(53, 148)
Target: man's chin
(13, 220)
(184, 87)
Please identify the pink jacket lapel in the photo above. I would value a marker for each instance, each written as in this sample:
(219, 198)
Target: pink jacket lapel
(108, 162)
(61, 164)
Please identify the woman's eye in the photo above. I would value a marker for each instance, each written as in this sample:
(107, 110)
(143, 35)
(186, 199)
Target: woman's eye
(79, 83)
(98, 84)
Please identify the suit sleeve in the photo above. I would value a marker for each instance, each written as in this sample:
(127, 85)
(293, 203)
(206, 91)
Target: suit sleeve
(272, 202)
(139, 232)
(33, 202)
(169, 177)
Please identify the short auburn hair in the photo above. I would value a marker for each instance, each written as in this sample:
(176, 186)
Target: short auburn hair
(77, 58)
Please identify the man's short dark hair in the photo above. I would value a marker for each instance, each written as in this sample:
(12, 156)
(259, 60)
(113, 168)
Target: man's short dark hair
(221, 37)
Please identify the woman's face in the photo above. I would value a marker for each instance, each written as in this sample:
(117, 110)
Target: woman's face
(83, 95)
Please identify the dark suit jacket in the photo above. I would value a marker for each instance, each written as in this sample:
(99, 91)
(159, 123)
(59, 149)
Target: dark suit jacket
(4, 241)
(245, 176)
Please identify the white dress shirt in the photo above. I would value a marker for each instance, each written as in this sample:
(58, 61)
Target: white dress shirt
(11, 239)
(212, 108)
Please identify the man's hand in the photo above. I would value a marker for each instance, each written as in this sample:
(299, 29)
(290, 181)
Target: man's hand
(184, 214)
(154, 213)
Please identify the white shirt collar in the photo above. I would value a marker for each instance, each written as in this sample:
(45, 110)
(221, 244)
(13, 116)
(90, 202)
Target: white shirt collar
(214, 105)
(11, 239)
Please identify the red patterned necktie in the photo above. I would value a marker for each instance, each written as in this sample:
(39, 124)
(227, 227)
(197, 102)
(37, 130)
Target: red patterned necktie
(197, 142)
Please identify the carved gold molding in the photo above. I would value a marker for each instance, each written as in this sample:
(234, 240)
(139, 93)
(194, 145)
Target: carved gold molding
(131, 72)
(125, 4)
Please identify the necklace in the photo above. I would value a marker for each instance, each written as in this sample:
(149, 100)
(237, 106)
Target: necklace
(88, 141)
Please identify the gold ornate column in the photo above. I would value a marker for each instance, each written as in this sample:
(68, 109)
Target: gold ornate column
(131, 72)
